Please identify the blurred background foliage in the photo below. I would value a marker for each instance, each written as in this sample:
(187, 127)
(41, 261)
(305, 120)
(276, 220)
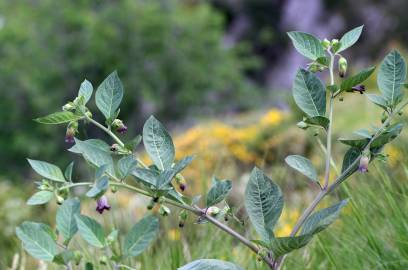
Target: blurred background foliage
(218, 73)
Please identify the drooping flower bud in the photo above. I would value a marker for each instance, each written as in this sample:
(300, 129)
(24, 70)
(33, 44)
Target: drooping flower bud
(182, 218)
(69, 135)
(102, 204)
(164, 211)
(326, 43)
(302, 125)
(213, 211)
(363, 167)
(342, 67)
(151, 204)
(60, 199)
(72, 129)
(358, 88)
(181, 181)
(119, 126)
(77, 257)
(103, 260)
(114, 147)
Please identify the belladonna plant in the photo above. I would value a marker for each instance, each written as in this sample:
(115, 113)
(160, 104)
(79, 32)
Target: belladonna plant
(117, 167)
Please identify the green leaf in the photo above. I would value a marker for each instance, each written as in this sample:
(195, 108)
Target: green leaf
(391, 77)
(354, 80)
(218, 192)
(91, 231)
(86, 90)
(363, 133)
(307, 45)
(109, 95)
(131, 145)
(47, 170)
(58, 118)
(167, 175)
(140, 236)
(309, 93)
(378, 100)
(283, 245)
(263, 202)
(320, 121)
(351, 155)
(158, 143)
(68, 171)
(210, 264)
(65, 218)
(147, 176)
(302, 165)
(99, 188)
(321, 219)
(40, 197)
(126, 165)
(94, 154)
(94, 143)
(350, 38)
(37, 241)
(355, 141)
(389, 134)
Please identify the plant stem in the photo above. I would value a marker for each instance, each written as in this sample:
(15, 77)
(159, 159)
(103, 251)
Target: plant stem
(340, 179)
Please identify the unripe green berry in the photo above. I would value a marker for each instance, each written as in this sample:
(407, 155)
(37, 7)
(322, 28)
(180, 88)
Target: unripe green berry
(342, 66)
(326, 43)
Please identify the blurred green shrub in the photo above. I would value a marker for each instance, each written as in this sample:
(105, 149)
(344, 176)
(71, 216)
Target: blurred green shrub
(169, 54)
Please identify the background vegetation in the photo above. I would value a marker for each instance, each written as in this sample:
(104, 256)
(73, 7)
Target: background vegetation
(216, 72)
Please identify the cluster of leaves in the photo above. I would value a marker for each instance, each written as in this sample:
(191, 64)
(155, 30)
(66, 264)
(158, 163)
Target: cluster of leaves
(118, 163)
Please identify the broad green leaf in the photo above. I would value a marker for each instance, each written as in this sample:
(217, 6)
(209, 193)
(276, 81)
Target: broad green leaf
(65, 218)
(126, 165)
(218, 192)
(99, 188)
(167, 175)
(94, 154)
(307, 44)
(350, 38)
(109, 95)
(392, 76)
(321, 219)
(283, 245)
(320, 121)
(64, 257)
(389, 134)
(302, 165)
(131, 145)
(40, 197)
(91, 231)
(68, 171)
(210, 264)
(309, 93)
(37, 241)
(95, 143)
(47, 170)
(86, 90)
(351, 156)
(58, 118)
(355, 141)
(263, 202)
(141, 235)
(354, 80)
(378, 100)
(147, 176)
(158, 143)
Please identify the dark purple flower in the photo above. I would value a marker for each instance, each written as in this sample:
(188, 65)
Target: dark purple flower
(363, 167)
(122, 129)
(102, 204)
(69, 135)
(358, 88)
(183, 187)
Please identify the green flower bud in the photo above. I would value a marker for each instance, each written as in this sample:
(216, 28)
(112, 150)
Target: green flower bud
(342, 66)
(302, 125)
(103, 260)
(181, 181)
(77, 257)
(164, 211)
(114, 189)
(182, 218)
(151, 204)
(314, 67)
(88, 114)
(326, 43)
(60, 199)
(213, 211)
